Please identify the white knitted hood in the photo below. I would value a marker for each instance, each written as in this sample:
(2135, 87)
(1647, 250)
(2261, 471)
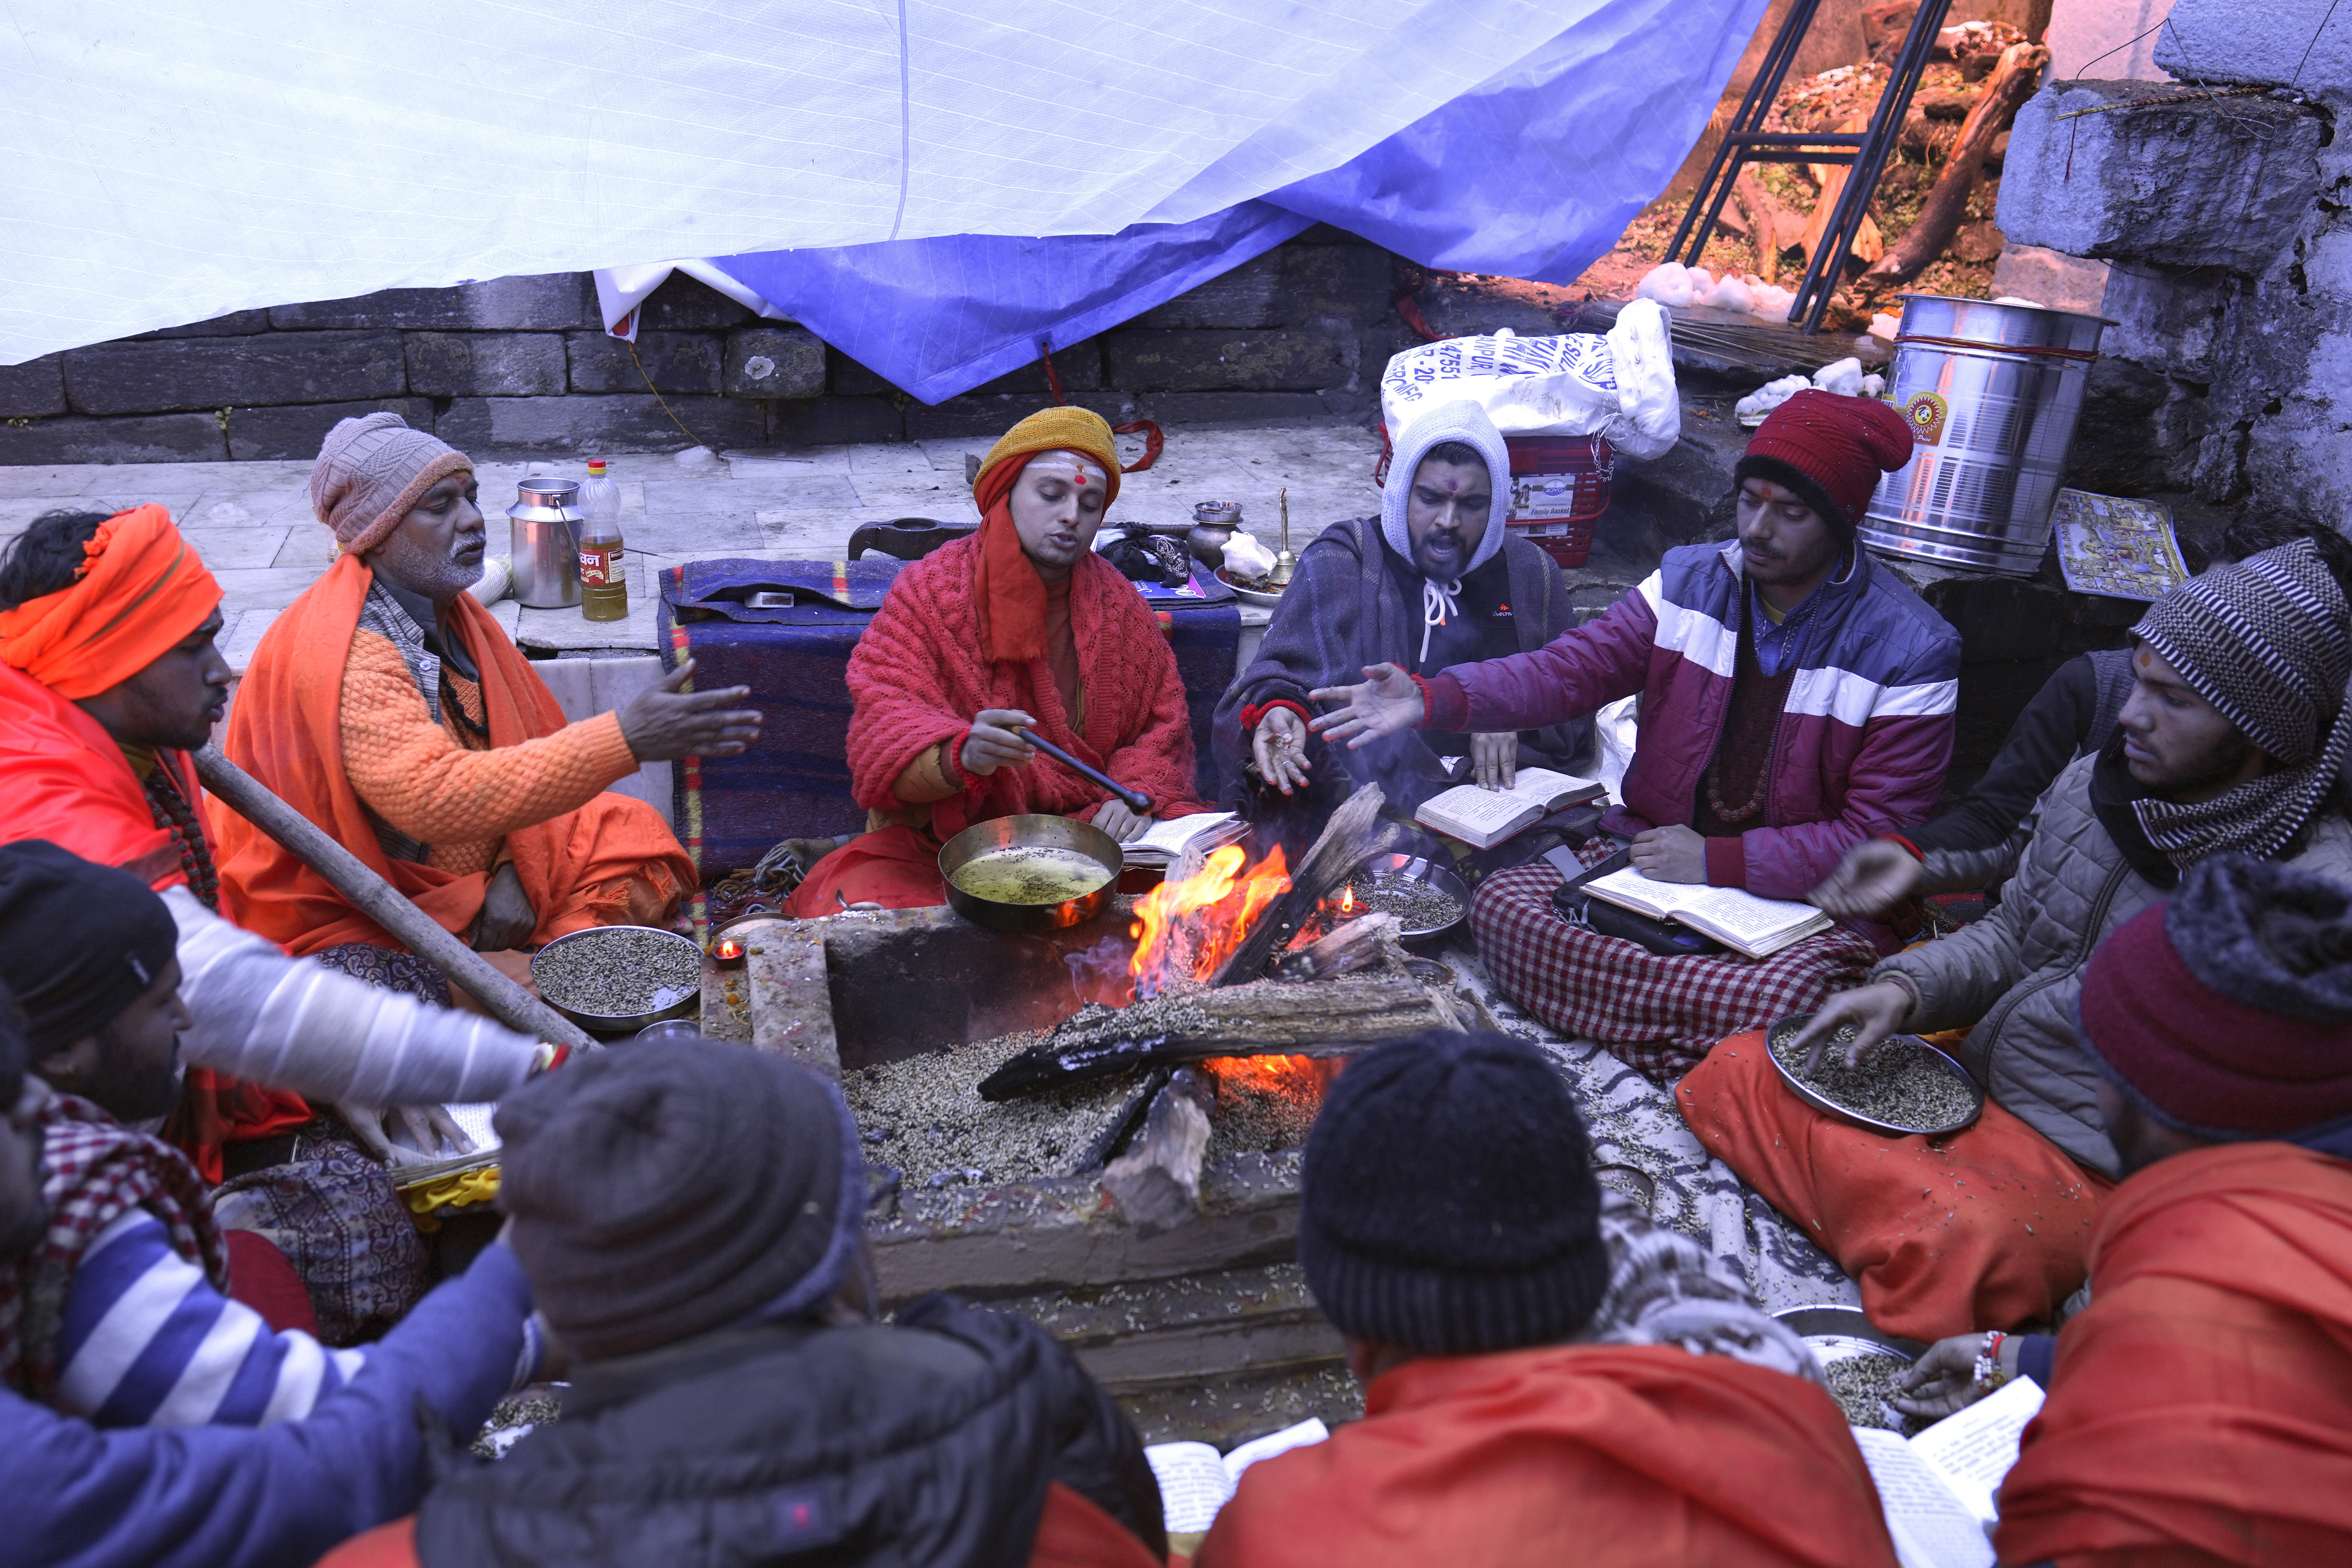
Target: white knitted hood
(1461, 420)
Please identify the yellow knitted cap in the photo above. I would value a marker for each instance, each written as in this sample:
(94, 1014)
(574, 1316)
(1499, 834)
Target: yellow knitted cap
(1059, 429)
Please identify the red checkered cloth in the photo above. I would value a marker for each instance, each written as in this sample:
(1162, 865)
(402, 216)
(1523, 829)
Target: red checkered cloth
(97, 1168)
(1659, 1016)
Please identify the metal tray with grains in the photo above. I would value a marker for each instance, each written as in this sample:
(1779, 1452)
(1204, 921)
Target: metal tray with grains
(1904, 1086)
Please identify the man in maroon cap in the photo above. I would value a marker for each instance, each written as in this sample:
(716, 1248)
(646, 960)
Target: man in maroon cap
(1796, 699)
(2199, 1409)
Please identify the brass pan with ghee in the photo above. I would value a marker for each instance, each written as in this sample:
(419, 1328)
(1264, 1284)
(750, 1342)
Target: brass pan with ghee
(1031, 873)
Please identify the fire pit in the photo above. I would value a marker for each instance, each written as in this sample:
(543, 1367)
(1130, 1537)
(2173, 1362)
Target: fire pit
(1193, 1120)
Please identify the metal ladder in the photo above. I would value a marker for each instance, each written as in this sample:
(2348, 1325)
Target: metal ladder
(1747, 141)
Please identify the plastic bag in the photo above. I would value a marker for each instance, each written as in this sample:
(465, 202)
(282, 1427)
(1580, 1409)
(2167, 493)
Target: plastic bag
(1619, 387)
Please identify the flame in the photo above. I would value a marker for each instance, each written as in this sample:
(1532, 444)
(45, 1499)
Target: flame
(1296, 1077)
(1184, 930)
(1348, 900)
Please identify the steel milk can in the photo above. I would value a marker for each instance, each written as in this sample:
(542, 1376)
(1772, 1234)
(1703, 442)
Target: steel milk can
(546, 519)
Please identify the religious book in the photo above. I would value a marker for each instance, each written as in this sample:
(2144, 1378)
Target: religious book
(1734, 917)
(1938, 1488)
(1484, 817)
(1195, 1480)
(474, 1121)
(2116, 545)
(1166, 842)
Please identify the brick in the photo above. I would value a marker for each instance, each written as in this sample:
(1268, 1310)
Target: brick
(1280, 360)
(1230, 407)
(2181, 181)
(295, 434)
(1291, 285)
(235, 324)
(688, 304)
(547, 302)
(140, 439)
(1079, 366)
(485, 364)
(35, 388)
(218, 372)
(992, 414)
(774, 362)
(687, 362)
(584, 423)
(793, 423)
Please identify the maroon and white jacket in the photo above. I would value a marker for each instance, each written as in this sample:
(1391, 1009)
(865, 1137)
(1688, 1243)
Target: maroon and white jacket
(1863, 739)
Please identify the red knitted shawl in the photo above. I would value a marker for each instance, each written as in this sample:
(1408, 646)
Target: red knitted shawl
(918, 675)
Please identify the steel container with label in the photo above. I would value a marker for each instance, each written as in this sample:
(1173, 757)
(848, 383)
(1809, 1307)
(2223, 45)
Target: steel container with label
(546, 519)
(1991, 392)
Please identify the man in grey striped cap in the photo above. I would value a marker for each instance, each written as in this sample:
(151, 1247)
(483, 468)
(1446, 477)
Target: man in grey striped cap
(2234, 739)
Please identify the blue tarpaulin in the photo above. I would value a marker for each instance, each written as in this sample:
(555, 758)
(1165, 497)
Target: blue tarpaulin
(1534, 174)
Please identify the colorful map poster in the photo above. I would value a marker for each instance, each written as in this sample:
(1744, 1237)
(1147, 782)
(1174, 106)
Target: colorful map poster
(2117, 546)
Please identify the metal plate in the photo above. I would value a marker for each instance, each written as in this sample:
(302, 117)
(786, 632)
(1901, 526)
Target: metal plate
(622, 1023)
(1829, 1107)
(1250, 595)
(1842, 1330)
(1422, 870)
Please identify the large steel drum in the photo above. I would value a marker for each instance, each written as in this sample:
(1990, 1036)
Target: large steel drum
(1991, 392)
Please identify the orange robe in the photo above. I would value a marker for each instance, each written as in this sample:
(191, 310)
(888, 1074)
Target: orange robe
(1600, 1455)
(1986, 1229)
(581, 866)
(63, 779)
(2200, 1408)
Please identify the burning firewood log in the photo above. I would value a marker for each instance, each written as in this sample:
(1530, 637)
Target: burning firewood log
(1157, 1184)
(1946, 204)
(1273, 1018)
(1361, 941)
(1353, 836)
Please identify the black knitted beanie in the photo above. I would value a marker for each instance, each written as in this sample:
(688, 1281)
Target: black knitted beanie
(662, 1191)
(1450, 1206)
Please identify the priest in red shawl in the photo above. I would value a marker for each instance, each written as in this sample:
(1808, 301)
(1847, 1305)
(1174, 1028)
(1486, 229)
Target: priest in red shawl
(1548, 1379)
(2199, 1409)
(108, 678)
(387, 705)
(1021, 627)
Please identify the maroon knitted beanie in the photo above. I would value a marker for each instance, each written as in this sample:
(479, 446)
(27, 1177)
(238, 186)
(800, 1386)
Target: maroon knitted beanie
(2227, 1011)
(1829, 447)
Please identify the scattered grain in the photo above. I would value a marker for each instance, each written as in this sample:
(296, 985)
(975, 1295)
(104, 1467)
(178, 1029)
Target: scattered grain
(1860, 1384)
(618, 971)
(1901, 1082)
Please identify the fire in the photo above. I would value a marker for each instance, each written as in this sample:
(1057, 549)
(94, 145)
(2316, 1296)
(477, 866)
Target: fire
(1348, 900)
(1186, 929)
(1277, 1074)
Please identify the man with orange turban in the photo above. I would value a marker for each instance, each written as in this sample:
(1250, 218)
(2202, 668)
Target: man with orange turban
(387, 707)
(108, 678)
(1021, 628)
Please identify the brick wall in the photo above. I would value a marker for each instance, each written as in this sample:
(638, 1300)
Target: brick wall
(521, 366)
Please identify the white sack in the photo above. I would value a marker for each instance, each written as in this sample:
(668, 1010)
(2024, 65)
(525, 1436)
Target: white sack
(1621, 385)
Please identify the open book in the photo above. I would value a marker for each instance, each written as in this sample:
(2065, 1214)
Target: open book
(1484, 817)
(1195, 1480)
(474, 1121)
(1166, 842)
(1938, 1488)
(1740, 920)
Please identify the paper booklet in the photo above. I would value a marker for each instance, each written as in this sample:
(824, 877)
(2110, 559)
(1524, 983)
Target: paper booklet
(1740, 920)
(474, 1121)
(1165, 844)
(1938, 1488)
(1195, 1480)
(1484, 817)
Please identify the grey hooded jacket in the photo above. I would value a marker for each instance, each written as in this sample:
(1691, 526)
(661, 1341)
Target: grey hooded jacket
(2016, 974)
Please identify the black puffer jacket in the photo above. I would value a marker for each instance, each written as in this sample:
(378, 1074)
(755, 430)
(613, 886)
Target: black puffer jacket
(929, 1442)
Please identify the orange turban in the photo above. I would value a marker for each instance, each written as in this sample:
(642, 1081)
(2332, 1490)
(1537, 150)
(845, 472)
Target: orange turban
(1011, 597)
(142, 590)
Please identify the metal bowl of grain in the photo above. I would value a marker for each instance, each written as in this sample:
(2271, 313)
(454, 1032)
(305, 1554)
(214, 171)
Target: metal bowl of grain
(1904, 1086)
(617, 980)
(1030, 873)
(1427, 897)
(1860, 1360)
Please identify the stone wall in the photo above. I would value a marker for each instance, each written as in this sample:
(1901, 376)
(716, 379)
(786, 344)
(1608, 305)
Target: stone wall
(2226, 386)
(522, 366)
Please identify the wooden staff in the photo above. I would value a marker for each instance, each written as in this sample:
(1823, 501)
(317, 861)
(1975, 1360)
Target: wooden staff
(381, 903)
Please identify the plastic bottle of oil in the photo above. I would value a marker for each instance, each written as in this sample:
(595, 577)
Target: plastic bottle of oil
(604, 574)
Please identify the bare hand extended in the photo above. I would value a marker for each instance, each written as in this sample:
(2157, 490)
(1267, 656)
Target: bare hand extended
(1880, 1009)
(1388, 703)
(1875, 878)
(1495, 759)
(664, 722)
(1114, 817)
(1670, 854)
(1944, 1379)
(1279, 743)
(507, 918)
(429, 1125)
(994, 741)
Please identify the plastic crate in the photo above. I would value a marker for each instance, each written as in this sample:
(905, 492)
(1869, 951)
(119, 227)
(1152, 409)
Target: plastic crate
(1559, 484)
